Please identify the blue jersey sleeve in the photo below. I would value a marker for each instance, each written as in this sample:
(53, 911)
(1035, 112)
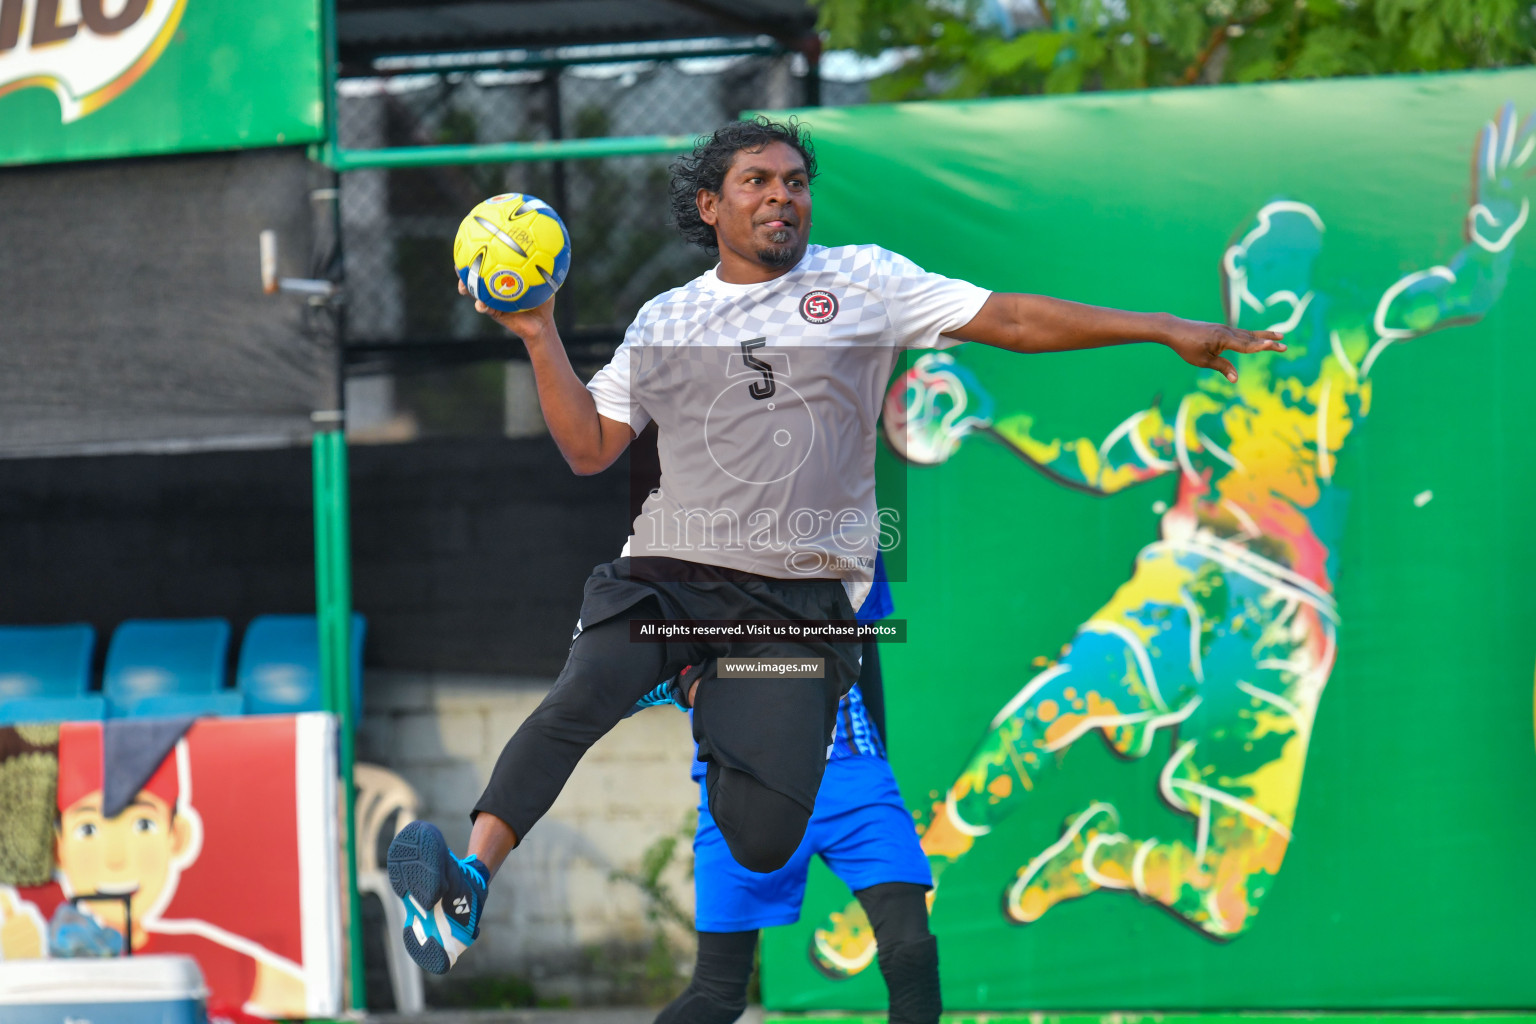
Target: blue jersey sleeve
(878, 605)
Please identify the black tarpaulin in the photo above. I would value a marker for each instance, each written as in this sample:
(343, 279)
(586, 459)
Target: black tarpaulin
(131, 310)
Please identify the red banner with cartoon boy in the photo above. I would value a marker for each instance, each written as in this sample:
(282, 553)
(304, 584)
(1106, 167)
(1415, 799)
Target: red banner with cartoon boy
(214, 839)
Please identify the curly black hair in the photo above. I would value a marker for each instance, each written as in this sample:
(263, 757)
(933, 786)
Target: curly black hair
(712, 155)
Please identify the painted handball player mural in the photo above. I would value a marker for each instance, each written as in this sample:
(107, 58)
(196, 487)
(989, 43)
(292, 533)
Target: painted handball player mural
(1214, 655)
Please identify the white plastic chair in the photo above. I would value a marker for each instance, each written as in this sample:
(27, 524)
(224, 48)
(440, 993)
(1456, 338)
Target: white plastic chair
(380, 794)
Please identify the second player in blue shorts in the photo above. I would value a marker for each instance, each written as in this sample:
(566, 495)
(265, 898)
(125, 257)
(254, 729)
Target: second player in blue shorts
(862, 830)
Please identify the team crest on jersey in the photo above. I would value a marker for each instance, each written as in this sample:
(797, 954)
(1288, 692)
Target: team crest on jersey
(818, 307)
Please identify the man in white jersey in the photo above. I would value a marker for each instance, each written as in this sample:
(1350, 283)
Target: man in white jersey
(765, 377)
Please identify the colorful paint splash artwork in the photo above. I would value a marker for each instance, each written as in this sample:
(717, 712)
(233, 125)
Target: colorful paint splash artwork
(1214, 656)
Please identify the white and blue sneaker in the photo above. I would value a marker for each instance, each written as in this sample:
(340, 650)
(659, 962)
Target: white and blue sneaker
(443, 896)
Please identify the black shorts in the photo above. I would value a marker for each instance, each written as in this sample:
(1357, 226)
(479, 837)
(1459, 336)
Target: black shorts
(776, 730)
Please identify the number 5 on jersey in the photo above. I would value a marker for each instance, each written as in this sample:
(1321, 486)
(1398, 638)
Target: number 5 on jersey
(763, 388)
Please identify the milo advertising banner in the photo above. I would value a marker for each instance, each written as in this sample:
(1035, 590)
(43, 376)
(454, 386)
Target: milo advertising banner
(103, 78)
(1216, 696)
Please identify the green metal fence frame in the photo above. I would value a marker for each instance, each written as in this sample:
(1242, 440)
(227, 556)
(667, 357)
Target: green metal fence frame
(333, 607)
(501, 152)
(333, 582)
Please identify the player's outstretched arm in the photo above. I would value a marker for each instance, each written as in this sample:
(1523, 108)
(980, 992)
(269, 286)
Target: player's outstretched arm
(589, 441)
(1038, 323)
(1466, 286)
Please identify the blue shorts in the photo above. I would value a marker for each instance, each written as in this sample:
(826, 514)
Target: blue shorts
(860, 828)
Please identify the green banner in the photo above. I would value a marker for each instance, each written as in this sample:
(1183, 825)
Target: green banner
(86, 79)
(1215, 696)
(1217, 1017)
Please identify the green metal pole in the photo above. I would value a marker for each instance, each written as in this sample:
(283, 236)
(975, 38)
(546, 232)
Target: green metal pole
(333, 574)
(329, 60)
(503, 152)
(333, 602)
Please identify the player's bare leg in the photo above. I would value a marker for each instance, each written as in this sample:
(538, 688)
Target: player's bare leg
(491, 840)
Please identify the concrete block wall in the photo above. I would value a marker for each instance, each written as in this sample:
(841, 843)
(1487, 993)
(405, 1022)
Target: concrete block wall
(554, 917)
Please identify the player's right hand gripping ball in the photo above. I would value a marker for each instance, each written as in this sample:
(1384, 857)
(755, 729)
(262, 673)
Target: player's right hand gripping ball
(512, 252)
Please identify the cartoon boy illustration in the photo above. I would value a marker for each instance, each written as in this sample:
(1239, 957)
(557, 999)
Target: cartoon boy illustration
(125, 863)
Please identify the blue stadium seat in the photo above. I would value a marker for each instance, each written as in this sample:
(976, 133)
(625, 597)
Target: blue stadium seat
(45, 661)
(52, 709)
(45, 672)
(173, 705)
(279, 669)
(169, 667)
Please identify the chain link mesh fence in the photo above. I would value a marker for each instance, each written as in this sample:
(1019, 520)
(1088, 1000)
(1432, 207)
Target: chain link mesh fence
(423, 361)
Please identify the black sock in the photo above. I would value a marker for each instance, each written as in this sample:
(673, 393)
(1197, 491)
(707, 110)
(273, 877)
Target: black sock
(718, 992)
(908, 953)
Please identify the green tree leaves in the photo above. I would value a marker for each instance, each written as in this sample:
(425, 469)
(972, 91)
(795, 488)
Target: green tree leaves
(1073, 45)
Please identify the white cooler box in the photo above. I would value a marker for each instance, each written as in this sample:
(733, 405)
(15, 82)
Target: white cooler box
(121, 990)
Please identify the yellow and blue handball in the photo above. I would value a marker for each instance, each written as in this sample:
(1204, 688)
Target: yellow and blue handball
(512, 252)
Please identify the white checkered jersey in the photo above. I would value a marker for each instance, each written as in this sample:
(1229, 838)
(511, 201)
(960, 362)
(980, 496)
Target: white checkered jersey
(766, 397)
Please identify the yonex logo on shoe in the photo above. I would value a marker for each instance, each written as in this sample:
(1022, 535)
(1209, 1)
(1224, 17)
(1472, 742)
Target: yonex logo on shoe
(461, 905)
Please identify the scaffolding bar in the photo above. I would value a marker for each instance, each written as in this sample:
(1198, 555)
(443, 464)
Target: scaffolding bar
(503, 152)
(333, 604)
